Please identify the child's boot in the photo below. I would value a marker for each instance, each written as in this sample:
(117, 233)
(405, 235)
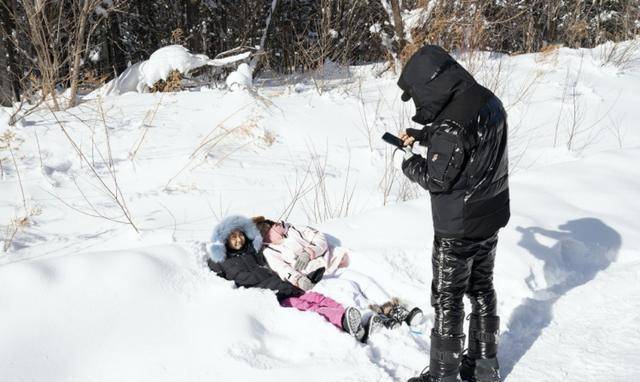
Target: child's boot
(373, 324)
(401, 314)
(352, 323)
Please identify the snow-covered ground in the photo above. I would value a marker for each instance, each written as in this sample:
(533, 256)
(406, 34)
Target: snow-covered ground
(85, 297)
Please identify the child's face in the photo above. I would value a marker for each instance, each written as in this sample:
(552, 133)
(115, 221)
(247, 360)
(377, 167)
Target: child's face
(236, 239)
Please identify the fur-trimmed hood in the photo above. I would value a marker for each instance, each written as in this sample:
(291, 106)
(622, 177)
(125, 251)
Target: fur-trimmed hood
(218, 250)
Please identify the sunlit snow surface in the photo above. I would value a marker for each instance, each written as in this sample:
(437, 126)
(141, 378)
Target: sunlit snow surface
(84, 298)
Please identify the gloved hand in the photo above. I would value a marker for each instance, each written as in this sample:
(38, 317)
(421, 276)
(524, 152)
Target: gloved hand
(305, 284)
(417, 134)
(301, 261)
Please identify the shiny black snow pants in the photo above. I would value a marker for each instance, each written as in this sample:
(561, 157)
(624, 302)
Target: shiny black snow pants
(462, 266)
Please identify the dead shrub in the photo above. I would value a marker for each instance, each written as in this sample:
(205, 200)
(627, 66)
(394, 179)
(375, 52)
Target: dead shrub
(173, 83)
(525, 26)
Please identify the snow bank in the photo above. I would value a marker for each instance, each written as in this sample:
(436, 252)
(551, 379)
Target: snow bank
(240, 78)
(157, 314)
(5, 114)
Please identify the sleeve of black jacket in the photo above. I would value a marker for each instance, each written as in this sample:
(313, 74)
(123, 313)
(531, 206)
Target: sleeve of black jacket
(255, 277)
(440, 171)
(267, 279)
(415, 168)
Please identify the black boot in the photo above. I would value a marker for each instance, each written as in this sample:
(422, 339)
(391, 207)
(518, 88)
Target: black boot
(445, 357)
(481, 363)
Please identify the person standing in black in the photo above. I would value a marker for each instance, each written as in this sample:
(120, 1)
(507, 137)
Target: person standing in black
(466, 174)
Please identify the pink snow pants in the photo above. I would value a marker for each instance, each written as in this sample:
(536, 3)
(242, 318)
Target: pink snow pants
(315, 302)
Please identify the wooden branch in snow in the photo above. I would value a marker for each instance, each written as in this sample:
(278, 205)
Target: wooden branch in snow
(229, 60)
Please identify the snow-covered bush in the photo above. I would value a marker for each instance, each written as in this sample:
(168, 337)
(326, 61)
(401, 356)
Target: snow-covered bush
(142, 76)
(172, 63)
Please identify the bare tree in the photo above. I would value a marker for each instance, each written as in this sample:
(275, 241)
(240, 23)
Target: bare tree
(398, 24)
(45, 29)
(9, 81)
(82, 9)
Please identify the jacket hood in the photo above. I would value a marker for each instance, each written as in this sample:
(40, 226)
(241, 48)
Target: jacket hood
(218, 249)
(432, 78)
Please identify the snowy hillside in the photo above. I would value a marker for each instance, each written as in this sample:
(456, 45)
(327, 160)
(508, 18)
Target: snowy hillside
(86, 296)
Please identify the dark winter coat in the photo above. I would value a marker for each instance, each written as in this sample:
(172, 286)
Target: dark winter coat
(246, 267)
(466, 169)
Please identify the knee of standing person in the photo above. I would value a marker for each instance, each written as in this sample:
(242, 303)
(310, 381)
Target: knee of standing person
(484, 304)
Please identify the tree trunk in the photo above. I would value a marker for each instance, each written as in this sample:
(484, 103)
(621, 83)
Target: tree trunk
(9, 80)
(117, 59)
(398, 24)
(192, 24)
(77, 51)
(263, 40)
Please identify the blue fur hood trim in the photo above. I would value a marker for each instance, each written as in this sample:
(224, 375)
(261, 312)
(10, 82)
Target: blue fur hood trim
(218, 250)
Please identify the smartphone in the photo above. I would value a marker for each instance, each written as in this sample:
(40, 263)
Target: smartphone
(393, 140)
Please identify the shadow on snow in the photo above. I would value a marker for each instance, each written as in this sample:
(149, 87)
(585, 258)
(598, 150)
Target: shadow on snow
(583, 248)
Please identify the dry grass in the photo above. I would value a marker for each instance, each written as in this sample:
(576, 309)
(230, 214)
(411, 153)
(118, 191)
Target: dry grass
(17, 225)
(269, 137)
(10, 142)
(92, 80)
(212, 141)
(108, 184)
(173, 83)
(316, 196)
(622, 55)
(147, 122)
(323, 204)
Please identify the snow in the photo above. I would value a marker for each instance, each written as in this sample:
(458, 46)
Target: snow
(230, 59)
(167, 59)
(94, 55)
(240, 78)
(86, 298)
(5, 114)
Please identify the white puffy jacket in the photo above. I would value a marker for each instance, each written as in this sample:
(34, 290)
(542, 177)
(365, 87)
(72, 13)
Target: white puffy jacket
(296, 241)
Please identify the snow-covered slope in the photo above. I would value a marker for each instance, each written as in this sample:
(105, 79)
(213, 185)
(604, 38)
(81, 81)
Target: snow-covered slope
(86, 298)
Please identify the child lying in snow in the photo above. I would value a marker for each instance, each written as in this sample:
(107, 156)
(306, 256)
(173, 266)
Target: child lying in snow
(300, 255)
(235, 256)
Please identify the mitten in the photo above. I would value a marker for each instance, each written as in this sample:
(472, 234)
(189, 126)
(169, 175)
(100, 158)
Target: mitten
(301, 261)
(305, 284)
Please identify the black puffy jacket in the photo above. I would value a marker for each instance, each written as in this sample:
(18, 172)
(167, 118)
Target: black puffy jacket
(249, 269)
(466, 169)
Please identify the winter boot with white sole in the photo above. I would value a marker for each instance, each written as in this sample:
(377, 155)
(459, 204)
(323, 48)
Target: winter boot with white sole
(352, 323)
(395, 310)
